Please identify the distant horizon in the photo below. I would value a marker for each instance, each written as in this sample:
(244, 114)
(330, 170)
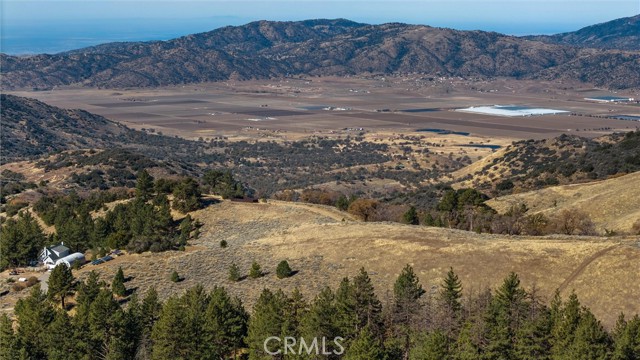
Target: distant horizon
(53, 26)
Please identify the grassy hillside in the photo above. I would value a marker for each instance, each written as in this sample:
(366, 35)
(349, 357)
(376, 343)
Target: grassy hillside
(323, 248)
(612, 204)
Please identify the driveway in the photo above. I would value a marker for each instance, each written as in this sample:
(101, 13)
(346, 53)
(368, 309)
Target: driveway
(44, 281)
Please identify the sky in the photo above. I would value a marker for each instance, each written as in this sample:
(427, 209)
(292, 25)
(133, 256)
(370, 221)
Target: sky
(56, 25)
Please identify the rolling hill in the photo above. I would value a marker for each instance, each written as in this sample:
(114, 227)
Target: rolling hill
(323, 245)
(534, 164)
(611, 204)
(622, 34)
(31, 128)
(267, 49)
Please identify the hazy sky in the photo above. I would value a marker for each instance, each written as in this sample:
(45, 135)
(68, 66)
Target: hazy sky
(100, 20)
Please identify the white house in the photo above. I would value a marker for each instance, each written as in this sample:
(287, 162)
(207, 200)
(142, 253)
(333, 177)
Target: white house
(49, 255)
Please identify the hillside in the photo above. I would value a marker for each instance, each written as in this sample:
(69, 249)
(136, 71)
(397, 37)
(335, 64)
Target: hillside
(567, 159)
(317, 47)
(611, 204)
(31, 128)
(323, 249)
(622, 34)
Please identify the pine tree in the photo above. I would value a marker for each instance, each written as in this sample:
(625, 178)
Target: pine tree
(255, 271)
(58, 344)
(149, 310)
(102, 329)
(60, 283)
(20, 240)
(169, 333)
(451, 292)
(465, 347)
(195, 302)
(144, 185)
(533, 338)
(365, 346)
(565, 322)
(234, 273)
(320, 320)
(296, 307)
(346, 316)
(117, 286)
(627, 339)
(367, 305)
(591, 340)
(431, 346)
(268, 320)
(406, 292)
(411, 216)
(186, 196)
(8, 343)
(283, 270)
(225, 324)
(34, 314)
(89, 289)
(507, 309)
(407, 287)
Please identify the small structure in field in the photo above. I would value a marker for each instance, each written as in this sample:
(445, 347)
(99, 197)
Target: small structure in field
(609, 99)
(511, 110)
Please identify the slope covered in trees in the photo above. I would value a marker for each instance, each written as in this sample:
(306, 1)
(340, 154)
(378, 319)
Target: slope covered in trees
(534, 164)
(509, 322)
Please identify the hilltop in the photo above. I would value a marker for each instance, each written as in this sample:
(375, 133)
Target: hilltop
(622, 34)
(268, 49)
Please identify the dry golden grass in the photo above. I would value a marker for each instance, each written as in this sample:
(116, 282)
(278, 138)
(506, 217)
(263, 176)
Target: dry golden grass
(612, 204)
(323, 248)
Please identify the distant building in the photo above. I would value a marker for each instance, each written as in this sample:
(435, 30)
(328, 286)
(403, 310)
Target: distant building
(609, 99)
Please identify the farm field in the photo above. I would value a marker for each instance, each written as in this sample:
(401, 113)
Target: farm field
(287, 109)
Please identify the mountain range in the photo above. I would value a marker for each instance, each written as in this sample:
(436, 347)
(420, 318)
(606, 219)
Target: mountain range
(601, 55)
(622, 34)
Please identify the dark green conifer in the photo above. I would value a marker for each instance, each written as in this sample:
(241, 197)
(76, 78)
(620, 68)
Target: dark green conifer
(117, 286)
(60, 283)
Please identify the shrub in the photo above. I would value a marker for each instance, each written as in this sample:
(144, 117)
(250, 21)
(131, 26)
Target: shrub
(363, 208)
(255, 271)
(635, 229)
(283, 270)
(234, 272)
(32, 280)
(223, 244)
(175, 277)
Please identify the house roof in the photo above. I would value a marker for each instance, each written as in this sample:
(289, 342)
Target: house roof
(59, 248)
